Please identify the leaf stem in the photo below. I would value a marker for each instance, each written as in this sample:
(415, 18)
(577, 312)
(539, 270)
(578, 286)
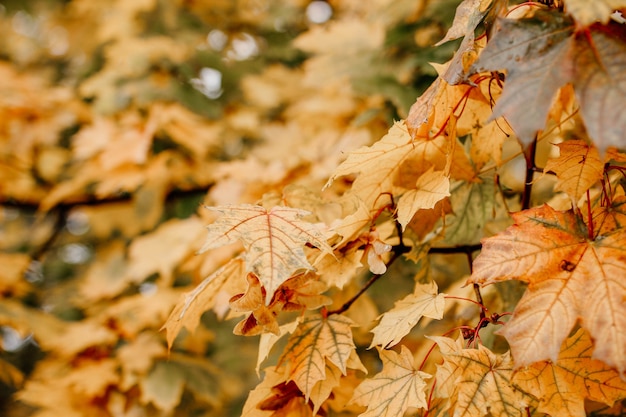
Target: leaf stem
(590, 232)
(447, 297)
(529, 154)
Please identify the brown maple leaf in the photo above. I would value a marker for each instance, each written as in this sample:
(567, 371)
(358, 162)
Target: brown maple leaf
(544, 52)
(569, 277)
(273, 240)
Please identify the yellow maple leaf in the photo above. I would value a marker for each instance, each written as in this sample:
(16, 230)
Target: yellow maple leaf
(273, 240)
(316, 339)
(563, 386)
(193, 304)
(569, 277)
(391, 392)
(431, 187)
(394, 164)
(398, 322)
(577, 168)
(478, 381)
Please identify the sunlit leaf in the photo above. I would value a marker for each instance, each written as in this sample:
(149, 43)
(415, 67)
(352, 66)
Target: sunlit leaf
(273, 240)
(398, 387)
(482, 383)
(569, 277)
(564, 385)
(577, 168)
(396, 323)
(431, 187)
(315, 340)
(193, 304)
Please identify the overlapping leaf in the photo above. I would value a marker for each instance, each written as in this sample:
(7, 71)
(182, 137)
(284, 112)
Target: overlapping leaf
(478, 381)
(398, 322)
(315, 340)
(193, 304)
(577, 168)
(544, 52)
(431, 187)
(569, 277)
(273, 240)
(564, 385)
(398, 387)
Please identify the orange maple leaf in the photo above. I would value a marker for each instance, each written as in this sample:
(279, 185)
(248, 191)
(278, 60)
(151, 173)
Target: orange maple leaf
(570, 276)
(397, 387)
(273, 240)
(563, 386)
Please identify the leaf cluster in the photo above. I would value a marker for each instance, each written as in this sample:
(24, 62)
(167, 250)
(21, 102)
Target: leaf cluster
(467, 260)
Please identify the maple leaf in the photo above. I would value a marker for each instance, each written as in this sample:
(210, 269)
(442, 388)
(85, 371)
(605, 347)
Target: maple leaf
(399, 386)
(316, 339)
(193, 304)
(543, 53)
(273, 240)
(563, 386)
(532, 51)
(469, 14)
(431, 187)
(569, 276)
(398, 322)
(577, 168)
(480, 381)
(394, 164)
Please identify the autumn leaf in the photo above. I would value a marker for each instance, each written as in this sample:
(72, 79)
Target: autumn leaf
(315, 340)
(563, 386)
(481, 383)
(431, 187)
(534, 53)
(473, 205)
(273, 240)
(398, 387)
(398, 322)
(569, 277)
(467, 17)
(577, 168)
(193, 304)
(543, 53)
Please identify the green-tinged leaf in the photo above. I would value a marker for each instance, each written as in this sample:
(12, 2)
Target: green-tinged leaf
(473, 205)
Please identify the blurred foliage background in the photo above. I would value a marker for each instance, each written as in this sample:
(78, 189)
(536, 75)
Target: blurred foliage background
(117, 120)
